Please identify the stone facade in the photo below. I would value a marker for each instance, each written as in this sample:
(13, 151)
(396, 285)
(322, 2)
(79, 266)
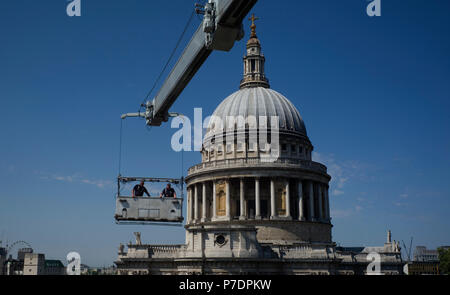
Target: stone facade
(34, 264)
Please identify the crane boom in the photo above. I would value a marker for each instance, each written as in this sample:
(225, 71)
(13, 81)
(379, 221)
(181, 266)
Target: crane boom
(221, 27)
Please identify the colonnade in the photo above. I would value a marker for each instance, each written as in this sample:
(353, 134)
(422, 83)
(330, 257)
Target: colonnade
(310, 197)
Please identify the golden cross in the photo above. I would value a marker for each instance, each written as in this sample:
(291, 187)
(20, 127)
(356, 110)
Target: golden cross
(253, 27)
(253, 18)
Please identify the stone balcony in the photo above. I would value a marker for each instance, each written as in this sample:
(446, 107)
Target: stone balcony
(152, 251)
(257, 162)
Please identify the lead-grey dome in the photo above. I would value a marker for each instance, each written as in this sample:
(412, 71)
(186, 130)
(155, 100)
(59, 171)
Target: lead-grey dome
(259, 101)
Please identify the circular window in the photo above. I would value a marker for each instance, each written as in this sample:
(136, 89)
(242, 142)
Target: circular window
(220, 240)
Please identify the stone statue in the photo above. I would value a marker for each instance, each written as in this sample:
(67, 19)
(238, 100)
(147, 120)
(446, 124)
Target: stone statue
(121, 248)
(138, 238)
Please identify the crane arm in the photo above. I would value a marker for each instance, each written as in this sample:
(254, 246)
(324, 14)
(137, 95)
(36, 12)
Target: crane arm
(221, 27)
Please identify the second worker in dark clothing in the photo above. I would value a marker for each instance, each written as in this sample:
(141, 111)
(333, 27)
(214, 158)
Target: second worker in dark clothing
(168, 192)
(139, 190)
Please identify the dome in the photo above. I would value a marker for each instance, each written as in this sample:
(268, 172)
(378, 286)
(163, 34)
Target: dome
(253, 42)
(257, 102)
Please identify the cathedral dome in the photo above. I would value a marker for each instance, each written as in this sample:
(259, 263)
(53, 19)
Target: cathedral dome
(257, 102)
(255, 105)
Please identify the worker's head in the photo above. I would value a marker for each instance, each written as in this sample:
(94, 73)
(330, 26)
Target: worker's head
(168, 185)
(142, 182)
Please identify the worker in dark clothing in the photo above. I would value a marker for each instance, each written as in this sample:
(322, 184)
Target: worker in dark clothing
(139, 190)
(168, 192)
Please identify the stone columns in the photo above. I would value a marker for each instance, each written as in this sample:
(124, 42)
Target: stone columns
(327, 205)
(189, 205)
(242, 200)
(214, 200)
(273, 211)
(319, 202)
(195, 203)
(288, 201)
(204, 202)
(311, 200)
(257, 200)
(228, 200)
(301, 214)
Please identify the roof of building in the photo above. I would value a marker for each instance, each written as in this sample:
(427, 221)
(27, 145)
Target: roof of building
(53, 263)
(256, 102)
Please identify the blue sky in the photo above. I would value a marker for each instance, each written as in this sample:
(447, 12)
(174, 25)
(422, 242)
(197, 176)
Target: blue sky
(374, 94)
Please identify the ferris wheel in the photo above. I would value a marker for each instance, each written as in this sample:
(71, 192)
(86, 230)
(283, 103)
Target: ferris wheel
(10, 248)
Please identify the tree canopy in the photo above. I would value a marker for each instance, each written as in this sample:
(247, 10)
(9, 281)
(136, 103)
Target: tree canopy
(444, 261)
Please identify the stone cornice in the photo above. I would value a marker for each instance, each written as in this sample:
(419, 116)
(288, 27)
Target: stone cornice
(256, 164)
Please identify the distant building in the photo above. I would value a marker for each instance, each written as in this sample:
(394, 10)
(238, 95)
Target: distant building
(97, 271)
(425, 255)
(36, 264)
(28, 263)
(21, 253)
(425, 262)
(109, 271)
(84, 269)
(422, 268)
(10, 265)
(13, 267)
(54, 268)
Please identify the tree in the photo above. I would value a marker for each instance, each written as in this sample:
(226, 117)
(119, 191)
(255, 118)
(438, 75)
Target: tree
(444, 261)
